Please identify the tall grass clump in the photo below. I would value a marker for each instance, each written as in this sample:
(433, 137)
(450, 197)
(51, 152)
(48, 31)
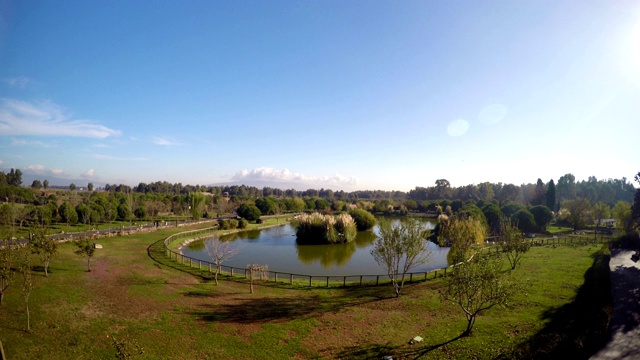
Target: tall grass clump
(364, 219)
(316, 228)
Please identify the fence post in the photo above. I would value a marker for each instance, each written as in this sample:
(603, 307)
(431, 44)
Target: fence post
(377, 279)
(360, 280)
(275, 276)
(199, 265)
(344, 281)
(411, 277)
(309, 281)
(290, 279)
(327, 281)
(445, 272)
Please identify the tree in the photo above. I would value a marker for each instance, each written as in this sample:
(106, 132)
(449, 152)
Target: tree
(7, 261)
(551, 195)
(84, 213)
(256, 270)
(566, 187)
(86, 249)
(635, 208)
(540, 194)
(400, 247)
(43, 245)
(524, 220)
(72, 186)
(461, 234)
(493, 215)
(364, 219)
(600, 211)
(622, 213)
(266, 205)
(579, 212)
(68, 213)
(90, 186)
(27, 284)
(478, 284)
(36, 184)
(14, 177)
(45, 184)
(249, 212)
(512, 243)
(542, 216)
(219, 251)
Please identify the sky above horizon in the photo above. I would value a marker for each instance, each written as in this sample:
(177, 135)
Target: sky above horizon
(320, 94)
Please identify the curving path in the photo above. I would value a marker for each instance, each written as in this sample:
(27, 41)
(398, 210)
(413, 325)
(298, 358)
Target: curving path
(625, 320)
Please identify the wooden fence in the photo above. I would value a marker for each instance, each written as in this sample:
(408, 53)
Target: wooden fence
(339, 280)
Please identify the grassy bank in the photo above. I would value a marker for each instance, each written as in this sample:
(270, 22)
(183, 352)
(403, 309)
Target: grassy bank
(136, 293)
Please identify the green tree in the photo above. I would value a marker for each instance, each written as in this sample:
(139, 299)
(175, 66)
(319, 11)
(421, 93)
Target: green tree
(249, 212)
(542, 216)
(524, 220)
(551, 195)
(579, 212)
(600, 212)
(399, 247)
(622, 213)
(86, 249)
(43, 245)
(461, 234)
(14, 177)
(36, 184)
(8, 259)
(84, 213)
(493, 215)
(478, 284)
(68, 213)
(364, 219)
(45, 184)
(635, 208)
(566, 187)
(90, 186)
(72, 186)
(267, 205)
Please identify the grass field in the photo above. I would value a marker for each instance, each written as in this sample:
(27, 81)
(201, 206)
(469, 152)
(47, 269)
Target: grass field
(174, 312)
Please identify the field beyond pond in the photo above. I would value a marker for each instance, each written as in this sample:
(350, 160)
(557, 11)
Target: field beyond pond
(172, 312)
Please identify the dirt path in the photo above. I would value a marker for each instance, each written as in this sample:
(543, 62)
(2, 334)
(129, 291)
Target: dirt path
(625, 321)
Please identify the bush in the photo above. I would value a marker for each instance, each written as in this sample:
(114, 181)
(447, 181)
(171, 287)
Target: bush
(364, 220)
(242, 224)
(249, 212)
(325, 229)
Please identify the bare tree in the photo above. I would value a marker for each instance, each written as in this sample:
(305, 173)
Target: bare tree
(219, 251)
(27, 284)
(400, 247)
(512, 242)
(256, 271)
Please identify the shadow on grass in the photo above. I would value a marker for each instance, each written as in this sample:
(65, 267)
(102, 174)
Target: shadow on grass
(396, 352)
(267, 309)
(576, 330)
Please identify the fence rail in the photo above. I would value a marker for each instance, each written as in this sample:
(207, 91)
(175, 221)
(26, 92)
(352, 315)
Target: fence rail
(338, 280)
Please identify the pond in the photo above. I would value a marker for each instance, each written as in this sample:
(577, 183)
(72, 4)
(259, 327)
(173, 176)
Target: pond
(277, 248)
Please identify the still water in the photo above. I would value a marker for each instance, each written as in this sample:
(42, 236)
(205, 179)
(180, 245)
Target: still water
(277, 248)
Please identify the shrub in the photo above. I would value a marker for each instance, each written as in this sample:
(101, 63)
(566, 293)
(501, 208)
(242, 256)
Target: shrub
(242, 224)
(316, 228)
(364, 220)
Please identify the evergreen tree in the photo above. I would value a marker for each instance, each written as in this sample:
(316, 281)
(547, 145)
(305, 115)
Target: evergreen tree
(551, 195)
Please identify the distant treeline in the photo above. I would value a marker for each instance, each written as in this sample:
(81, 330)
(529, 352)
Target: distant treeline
(551, 194)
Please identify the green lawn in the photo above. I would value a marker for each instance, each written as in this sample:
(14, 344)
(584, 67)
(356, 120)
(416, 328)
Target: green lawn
(174, 312)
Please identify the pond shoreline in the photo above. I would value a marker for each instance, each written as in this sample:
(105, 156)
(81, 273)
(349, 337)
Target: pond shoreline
(226, 232)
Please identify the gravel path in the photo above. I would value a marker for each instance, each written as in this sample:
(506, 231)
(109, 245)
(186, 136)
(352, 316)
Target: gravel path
(625, 321)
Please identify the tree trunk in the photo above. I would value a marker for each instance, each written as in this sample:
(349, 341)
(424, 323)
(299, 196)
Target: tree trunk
(88, 264)
(28, 317)
(46, 267)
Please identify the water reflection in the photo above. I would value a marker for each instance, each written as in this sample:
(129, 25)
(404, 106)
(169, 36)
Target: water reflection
(328, 255)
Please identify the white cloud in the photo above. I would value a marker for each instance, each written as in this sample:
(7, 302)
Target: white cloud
(285, 176)
(110, 157)
(45, 119)
(41, 170)
(458, 127)
(89, 174)
(18, 82)
(164, 141)
(23, 142)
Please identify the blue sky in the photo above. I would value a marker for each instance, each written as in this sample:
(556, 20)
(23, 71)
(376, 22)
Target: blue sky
(309, 94)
